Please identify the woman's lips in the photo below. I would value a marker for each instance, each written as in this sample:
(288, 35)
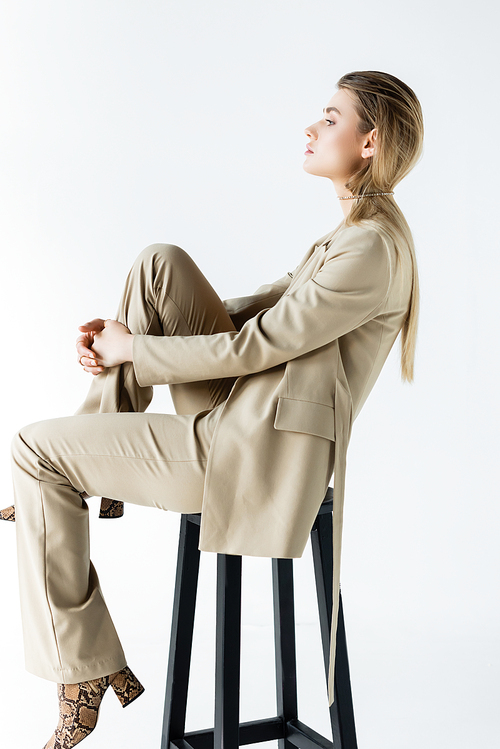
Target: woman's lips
(308, 151)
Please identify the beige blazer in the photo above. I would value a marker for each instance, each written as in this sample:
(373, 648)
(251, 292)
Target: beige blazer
(306, 353)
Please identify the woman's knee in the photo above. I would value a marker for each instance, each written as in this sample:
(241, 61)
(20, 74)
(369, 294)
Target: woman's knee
(164, 262)
(32, 441)
(163, 253)
(22, 447)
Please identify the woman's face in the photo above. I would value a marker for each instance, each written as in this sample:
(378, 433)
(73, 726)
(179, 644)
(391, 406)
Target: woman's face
(336, 149)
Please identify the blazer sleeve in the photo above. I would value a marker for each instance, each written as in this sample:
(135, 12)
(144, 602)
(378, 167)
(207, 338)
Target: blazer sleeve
(348, 290)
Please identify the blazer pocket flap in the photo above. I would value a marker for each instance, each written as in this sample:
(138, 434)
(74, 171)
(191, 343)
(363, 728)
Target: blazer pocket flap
(307, 417)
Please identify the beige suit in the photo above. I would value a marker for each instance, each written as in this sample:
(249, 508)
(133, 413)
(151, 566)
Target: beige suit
(287, 372)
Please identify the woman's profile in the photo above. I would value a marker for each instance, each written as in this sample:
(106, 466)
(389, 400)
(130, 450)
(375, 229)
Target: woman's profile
(265, 388)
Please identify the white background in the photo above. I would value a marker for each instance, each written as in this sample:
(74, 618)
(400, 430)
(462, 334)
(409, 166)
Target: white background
(127, 123)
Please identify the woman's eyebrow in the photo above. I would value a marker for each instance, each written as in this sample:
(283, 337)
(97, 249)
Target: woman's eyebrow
(331, 109)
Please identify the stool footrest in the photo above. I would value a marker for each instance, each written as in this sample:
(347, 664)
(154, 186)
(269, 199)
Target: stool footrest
(252, 732)
(304, 737)
(181, 744)
(256, 731)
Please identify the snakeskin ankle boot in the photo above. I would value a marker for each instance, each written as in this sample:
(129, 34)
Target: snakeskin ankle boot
(79, 706)
(110, 508)
(8, 514)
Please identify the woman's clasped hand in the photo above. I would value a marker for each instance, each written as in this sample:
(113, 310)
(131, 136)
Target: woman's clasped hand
(103, 344)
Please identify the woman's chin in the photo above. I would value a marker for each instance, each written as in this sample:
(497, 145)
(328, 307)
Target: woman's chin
(307, 167)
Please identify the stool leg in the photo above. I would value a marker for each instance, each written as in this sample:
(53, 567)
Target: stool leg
(181, 636)
(284, 643)
(341, 712)
(227, 652)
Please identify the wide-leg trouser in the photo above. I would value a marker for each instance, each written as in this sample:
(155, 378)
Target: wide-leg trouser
(108, 449)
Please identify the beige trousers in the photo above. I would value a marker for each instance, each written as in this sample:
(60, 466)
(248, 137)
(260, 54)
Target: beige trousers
(110, 448)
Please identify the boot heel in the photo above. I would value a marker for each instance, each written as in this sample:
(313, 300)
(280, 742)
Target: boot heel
(126, 687)
(111, 508)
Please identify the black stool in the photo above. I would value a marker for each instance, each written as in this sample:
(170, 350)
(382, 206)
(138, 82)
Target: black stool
(228, 732)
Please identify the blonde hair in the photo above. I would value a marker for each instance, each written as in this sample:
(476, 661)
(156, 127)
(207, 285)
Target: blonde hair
(386, 103)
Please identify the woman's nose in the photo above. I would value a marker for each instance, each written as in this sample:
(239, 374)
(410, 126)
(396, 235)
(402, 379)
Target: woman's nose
(310, 132)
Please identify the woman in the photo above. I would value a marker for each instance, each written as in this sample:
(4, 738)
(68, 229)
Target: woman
(265, 387)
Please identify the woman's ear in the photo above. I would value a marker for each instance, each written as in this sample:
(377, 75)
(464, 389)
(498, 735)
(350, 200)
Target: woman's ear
(369, 144)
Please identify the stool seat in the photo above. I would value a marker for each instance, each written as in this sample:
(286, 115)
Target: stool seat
(228, 732)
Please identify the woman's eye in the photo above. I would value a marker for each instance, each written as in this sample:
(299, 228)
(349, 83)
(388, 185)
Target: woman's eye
(330, 122)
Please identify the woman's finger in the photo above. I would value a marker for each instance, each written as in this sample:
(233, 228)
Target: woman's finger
(94, 325)
(90, 361)
(94, 370)
(85, 340)
(83, 347)
(84, 359)
(87, 353)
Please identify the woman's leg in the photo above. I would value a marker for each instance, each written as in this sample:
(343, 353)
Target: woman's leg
(148, 459)
(165, 294)
(68, 632)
